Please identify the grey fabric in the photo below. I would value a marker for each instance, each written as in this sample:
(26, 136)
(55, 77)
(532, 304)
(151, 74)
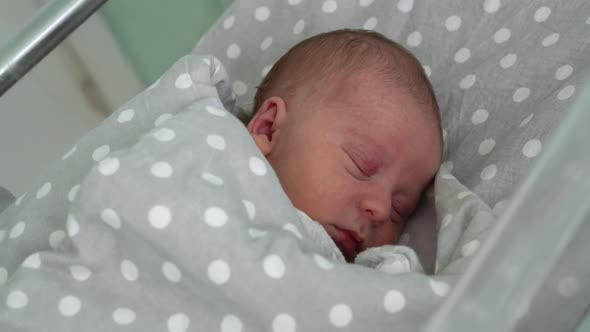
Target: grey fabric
(182, 225)
(504, 72)
(5, 198)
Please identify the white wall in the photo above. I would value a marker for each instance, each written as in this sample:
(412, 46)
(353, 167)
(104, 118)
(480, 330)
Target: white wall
(59, 101)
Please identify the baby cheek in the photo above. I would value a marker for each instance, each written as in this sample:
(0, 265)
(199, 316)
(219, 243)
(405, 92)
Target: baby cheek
(388, 234)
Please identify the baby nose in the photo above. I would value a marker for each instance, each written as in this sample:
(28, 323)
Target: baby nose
(377, 209)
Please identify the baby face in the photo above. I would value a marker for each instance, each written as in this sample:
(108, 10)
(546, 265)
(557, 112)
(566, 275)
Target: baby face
(356, 164)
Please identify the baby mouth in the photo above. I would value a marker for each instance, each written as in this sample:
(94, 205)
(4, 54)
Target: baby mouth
(348, 242)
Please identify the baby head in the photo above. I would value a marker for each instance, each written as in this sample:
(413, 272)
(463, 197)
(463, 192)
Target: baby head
(350, 124)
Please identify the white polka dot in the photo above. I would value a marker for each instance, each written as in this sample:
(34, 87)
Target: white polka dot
(462, 55)
(44, 190)
(108, 166)
(283, 323)
(329, 6)
(164, 135)
(257, 166)
(72, 226)
(438, 287)
(542, 14)
(489, 172)
(568, 286)
(56, 238)
(33, 261)
(255, 233)
(274, 266)
(566, 92)
(229, 22)
(123, 316)
(370, 24)
(17, 230)
(233, 51)
(162, 169)
(444, 133)
(215, 216)
(20, 199)
(171, 272)
(73, 192)
(550, 39)
(394, 301)
(532, 148)
(216, 111)
(3, 275)
(110, 217)
(129, 270)
(588, 20)
(262, 13)
(365, 3)
(231, 323)
(69, 306)
(163, 118)
(126, 116)
(521, 94)
(502, 35)
(526, 120)
(293, 229)
(80, 273)
(486, 146)
(427, 70)
(265, 70)
(446, 221)
(216, 142)
(69, 153)
(508, 60)
(101, 152)
(467, 81)
(500, 207)
(218, 272)
(183, 81)
(212, 179)
(453, 23)
(266, 43)
(414, 39)
(405, 6)
(323, 262)
(159, 216)
(491, 6)
(240, 88)
(340, 315)
(298, 27)
(250, 209)
(463, 194)
(480, 116)
(563, 72)
(17, 299)
(178, 323)
(469, 248)
(294, 2)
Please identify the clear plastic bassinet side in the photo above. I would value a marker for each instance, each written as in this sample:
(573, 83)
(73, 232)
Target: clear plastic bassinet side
(546, 224)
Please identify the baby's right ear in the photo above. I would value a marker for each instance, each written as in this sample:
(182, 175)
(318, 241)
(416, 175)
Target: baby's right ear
(266, 124)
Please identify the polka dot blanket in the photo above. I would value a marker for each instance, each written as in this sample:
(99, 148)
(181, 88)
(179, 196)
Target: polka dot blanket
(504, 71)
(168, 218)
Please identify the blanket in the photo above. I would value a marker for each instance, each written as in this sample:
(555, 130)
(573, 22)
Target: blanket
(168, 218)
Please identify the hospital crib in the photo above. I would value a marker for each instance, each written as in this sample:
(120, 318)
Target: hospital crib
(545, 223)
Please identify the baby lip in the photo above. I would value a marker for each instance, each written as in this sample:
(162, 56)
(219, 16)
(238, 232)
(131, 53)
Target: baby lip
(350, 240)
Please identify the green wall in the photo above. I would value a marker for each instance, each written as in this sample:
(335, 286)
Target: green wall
(155, 33)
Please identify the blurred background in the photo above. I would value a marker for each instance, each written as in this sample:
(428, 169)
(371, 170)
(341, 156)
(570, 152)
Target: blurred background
(114, 55)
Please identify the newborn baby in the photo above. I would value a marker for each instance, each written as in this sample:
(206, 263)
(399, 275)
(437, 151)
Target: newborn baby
(349, 122)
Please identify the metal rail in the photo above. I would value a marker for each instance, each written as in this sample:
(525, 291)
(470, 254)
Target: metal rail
(40, 35)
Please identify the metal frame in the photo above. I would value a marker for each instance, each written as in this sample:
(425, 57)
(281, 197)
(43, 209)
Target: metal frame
(40, 35)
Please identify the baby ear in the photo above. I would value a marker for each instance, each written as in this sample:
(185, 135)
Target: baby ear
(266, 124)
